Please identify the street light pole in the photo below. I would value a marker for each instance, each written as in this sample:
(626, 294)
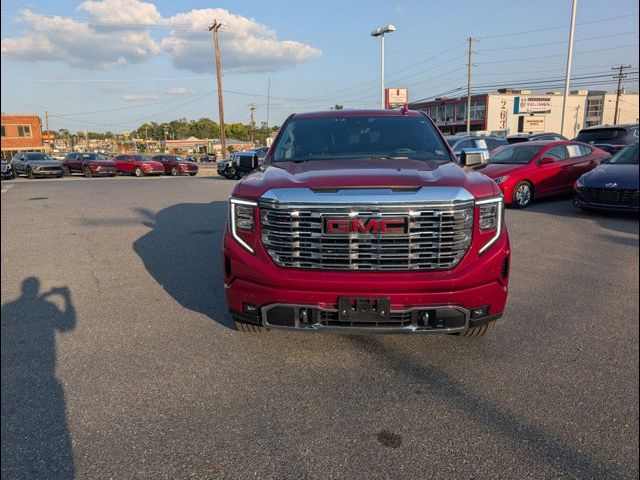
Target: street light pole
(379, 32)
(567, 78)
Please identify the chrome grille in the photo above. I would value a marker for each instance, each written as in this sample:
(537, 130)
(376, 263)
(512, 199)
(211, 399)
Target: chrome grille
(437, 237)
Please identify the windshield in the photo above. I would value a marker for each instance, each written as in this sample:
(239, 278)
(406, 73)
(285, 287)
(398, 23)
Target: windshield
(38, 156)
(516, 154)
(350, 137)
(140, 158)
(92, 156)
(602, 135)
(626, 156)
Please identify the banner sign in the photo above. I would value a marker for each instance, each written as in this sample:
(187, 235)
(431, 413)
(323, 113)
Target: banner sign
(532, 105)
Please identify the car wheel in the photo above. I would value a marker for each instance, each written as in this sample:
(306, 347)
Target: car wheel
(30, 174)
(249, 328)
(87, 172)
(480, 331)
(138, 172)
(522, 195)
(174, 172)
(193, 174)
(65, 171)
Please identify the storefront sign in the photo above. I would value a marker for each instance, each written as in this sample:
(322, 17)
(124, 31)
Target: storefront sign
(532, 105)
(533, 124)
(396, 97)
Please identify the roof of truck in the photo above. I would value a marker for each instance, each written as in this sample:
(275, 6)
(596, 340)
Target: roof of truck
(358, 113)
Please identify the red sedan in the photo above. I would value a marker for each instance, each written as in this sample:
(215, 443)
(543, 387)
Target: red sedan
(175, 165)
(525, 171)
(138, 165)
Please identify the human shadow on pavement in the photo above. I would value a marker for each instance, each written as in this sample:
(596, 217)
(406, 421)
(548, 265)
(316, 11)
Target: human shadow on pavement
(36, 443)
(183, 253)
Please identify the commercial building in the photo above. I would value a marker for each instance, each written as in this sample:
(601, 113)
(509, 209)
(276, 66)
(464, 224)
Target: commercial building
(202, 145)
(20, 133)
(510, 111)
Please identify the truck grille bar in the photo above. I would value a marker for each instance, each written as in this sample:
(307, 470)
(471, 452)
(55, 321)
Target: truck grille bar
(437, 236)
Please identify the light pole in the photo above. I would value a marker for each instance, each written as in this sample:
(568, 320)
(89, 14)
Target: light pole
(567, 77)
(379, 32)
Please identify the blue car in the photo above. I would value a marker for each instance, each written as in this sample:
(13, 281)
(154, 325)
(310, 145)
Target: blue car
(611, 186)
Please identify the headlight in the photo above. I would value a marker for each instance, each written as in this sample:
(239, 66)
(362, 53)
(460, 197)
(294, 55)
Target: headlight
(500, 179)
(579, 183)
(242, 218)
(490, 219)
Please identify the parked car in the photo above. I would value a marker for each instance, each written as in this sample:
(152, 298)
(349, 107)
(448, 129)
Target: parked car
(611, 186)
(89, 164)
(36, 164)
(532, 137)
(484, 144)
(343, 229)
(208, 158)
(176, 165)
(536, 169)
(610, 138)
(224, 168)
(7, 170)
(138, 165)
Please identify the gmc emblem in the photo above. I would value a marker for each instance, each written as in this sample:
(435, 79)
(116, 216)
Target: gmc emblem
(344, 226)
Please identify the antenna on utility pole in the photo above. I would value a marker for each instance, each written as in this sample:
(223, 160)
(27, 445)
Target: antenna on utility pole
(620, 76)
(469, 67)
(252, 107)
(214, 27)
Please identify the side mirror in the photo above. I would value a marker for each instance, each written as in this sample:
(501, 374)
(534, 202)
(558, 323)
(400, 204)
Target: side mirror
(546, 161)
(472, 158)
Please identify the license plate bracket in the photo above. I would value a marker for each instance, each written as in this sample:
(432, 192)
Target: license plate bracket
(363, 309)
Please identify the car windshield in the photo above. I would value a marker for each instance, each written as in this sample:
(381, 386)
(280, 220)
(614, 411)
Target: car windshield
(38, 156)
(601, 135)
(626, 156)
(140, 158)
(359, 136)
(516, 154)
(92, 156)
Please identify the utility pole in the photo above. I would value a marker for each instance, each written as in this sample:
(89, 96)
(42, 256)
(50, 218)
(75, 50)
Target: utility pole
(567, 77)
(469, 67)
(252, 107)
(214, 27)
(268, 100)
(620, 76)
(165, 139)
(46, 123)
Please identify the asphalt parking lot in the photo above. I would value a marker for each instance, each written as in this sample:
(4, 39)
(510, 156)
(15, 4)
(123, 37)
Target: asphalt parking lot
(118, 360)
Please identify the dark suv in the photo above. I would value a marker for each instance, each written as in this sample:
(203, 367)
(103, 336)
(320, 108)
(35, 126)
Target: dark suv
(36, 164)
(610, 138)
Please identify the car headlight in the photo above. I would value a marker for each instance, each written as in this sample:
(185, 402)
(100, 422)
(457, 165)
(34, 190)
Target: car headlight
(490, 211)
(500, 179)
(242, 218)
(579, 183)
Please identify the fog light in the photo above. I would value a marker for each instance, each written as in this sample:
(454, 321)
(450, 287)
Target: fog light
(249, 308)
(479, 312)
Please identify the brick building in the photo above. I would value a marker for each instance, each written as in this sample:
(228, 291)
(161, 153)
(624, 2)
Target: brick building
(20, 133)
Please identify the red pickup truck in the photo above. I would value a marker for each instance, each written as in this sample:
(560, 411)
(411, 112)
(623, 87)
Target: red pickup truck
(364, 221)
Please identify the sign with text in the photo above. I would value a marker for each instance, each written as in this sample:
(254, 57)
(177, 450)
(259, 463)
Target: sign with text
(395, 97)
(534, 124)
(532, 105)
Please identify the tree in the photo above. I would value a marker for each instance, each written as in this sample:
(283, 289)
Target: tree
(337, 107)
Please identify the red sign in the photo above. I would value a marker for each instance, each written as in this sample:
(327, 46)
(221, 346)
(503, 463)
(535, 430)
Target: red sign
(395, 97)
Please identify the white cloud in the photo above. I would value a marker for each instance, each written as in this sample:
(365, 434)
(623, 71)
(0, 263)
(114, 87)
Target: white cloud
(177, 91)
(80, 44)
(117, 34)
(245, 44)
(138, 98)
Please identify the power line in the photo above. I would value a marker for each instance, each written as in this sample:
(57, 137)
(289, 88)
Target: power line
(556, 43)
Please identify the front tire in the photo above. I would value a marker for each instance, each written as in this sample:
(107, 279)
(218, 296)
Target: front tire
(65, 171)
(30, 174)
(174, 172)
(87, 172)
(193, 174)
(522, 195)
(138, 172)
(480, 331)
(249, 328)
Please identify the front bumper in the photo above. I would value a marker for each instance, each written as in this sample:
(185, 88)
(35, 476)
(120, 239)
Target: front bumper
(580, 201)
(48, 173)
(476, 289)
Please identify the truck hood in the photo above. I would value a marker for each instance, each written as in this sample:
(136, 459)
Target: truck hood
(363, 173)
(626, 176)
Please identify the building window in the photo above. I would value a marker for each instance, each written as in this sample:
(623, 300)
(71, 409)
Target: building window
(461, 112)
(24, 130)
(594, 108)
(4, 133)
(477, 110)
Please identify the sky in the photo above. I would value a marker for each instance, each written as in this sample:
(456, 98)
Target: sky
(115, 64)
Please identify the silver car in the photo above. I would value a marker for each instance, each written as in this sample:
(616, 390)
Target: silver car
(36, 164)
